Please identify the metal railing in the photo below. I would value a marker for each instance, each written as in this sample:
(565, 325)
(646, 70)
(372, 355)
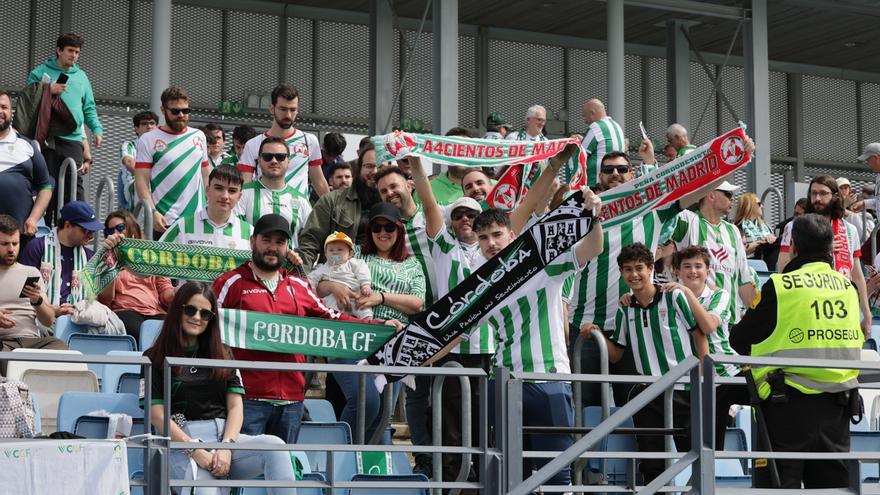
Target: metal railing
(67, 164)
(780, 201)
(107, 185)
(147, 211)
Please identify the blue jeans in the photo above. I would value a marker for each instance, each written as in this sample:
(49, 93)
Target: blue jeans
(348, 382)
(246, 464)
(261, 417)
(543, 404)
(121, 184)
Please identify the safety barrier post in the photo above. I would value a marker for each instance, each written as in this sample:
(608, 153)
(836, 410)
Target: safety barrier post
(105, 185)
(779, 198)
(361, 423)
(147, 210)
(437, 425)
(604, 390)
(68, 163)
(387, 410)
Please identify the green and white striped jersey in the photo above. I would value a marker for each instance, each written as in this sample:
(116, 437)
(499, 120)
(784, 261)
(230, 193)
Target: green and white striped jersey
(529, 331)
(199, 230)
(659, 335)
(419, 246)
(396, 277)
(258, 200)
(305, 152)
(602, 137)
(716, 302)
(598, 288)
(729, 266)
(453, 262)
(175, 162)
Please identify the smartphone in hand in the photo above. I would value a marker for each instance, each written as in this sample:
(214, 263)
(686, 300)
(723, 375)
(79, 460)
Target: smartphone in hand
(29, 281)
(62, 78)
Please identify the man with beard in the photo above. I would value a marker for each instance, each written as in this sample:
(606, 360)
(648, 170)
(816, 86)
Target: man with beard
(21, 304)
(447, 185)
(271, 193)
(274, 400)
(346, 210)
(171, 164)
(23, 175)
(476, 184)
(603, 135)
(305, 151)
(824, 199)
(215, 225)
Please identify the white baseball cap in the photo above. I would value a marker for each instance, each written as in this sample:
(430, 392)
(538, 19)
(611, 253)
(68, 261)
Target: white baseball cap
(726, 187)
(843, 181)
(870, 150)
(462, 202)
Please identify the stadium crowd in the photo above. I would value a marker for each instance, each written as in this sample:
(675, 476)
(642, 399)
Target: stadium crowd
(380, 242)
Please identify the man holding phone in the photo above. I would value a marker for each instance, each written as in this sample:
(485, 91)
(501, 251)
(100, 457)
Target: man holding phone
(70, 83)
(22, 300)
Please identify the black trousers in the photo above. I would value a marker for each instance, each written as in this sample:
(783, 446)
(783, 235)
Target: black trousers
(651, 416)
(807, 423)
(64, 148)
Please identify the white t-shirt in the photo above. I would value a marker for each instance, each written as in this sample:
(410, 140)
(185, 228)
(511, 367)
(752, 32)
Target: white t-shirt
(305, 151)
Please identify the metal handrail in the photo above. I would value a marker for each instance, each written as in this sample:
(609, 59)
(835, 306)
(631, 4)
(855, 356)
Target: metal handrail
(578, 392)
(68, 163)
(329, 368)
(779, 198)
(387, 411)
(105, 185)
(147, 210)
(437, 424)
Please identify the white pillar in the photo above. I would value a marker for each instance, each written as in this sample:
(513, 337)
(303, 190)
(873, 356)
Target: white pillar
(160, 74)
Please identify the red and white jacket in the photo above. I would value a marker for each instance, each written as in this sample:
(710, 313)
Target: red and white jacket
(242, 289)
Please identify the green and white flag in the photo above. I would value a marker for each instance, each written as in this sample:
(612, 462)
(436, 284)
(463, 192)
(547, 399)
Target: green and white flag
(301, 335)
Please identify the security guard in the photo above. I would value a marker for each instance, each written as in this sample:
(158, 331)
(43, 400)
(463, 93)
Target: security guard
(808, 311)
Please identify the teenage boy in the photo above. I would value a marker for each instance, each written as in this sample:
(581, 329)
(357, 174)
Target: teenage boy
(662, 331)
(215, 225)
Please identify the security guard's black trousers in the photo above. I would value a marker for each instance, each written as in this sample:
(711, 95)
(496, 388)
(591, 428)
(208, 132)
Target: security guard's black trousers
(807, 423)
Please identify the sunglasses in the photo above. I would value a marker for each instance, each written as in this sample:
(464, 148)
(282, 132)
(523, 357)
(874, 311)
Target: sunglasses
(728, 194)
(458, 215)
(379, 227)
(112, 230)
(190, 311)
(621, 169)
(279, 157)
(178, 111)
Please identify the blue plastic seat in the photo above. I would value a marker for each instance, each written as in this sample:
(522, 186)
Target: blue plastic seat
(299, 491)
(150, 329)
(320, 410)
(759, 265)
(735, 439)
(389, 478)
(338, 433)
(72, 405)
(64, 327)
(129, 383)
(866, 441)
(89, 343)
(616, 470)
(114, 373)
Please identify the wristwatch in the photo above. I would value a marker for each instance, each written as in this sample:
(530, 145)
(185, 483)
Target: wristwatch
(228, 440)
(39, 302)
(189, 452)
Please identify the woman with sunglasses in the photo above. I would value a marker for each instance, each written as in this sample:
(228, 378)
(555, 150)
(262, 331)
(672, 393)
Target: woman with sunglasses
(398, 291)
(750, 221)
(206, 403)
(134, 298)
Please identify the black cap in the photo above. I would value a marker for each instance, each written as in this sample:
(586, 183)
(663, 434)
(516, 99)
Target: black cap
(385, 210)
(272, 223)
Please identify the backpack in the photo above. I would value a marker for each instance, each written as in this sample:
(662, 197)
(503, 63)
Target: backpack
(16, 410)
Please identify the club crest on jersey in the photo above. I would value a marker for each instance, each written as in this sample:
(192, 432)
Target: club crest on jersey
(159, 145)
(198, 143)
(732, 150)
(505, 195)
(720, 254)
(298, 149)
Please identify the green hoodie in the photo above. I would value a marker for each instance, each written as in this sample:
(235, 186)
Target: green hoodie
(78, 97)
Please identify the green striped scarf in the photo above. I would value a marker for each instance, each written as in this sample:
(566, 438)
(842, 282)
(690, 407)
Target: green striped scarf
(50, 269)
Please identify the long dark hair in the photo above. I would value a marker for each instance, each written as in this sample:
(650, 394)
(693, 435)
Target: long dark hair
(836, 209)
(398, 250)
(170, 341)
(132, 229)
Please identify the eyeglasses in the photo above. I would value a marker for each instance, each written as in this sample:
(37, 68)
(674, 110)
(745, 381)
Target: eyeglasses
(178, 111)
(458, 215)
(120, 227)
(190, 311)
(279, 157)
(621, 169)
(379, 227)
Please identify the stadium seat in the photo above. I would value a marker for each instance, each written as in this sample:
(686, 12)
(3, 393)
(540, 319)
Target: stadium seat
(336, 433)
(758, 264)
(113, 374)
(390, 491)
(870, 344)
(72, 405)
(866, 441)
(763, 277)
(735, 439)
(149, 331)
(320, 410)
(129, 383)
(48, 386)
(64, 328)
(299, 491)
(97, 344)
(15, 369)
(616, 470)
(743, 421)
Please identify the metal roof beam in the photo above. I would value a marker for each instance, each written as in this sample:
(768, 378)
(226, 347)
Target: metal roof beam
(692, 7)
